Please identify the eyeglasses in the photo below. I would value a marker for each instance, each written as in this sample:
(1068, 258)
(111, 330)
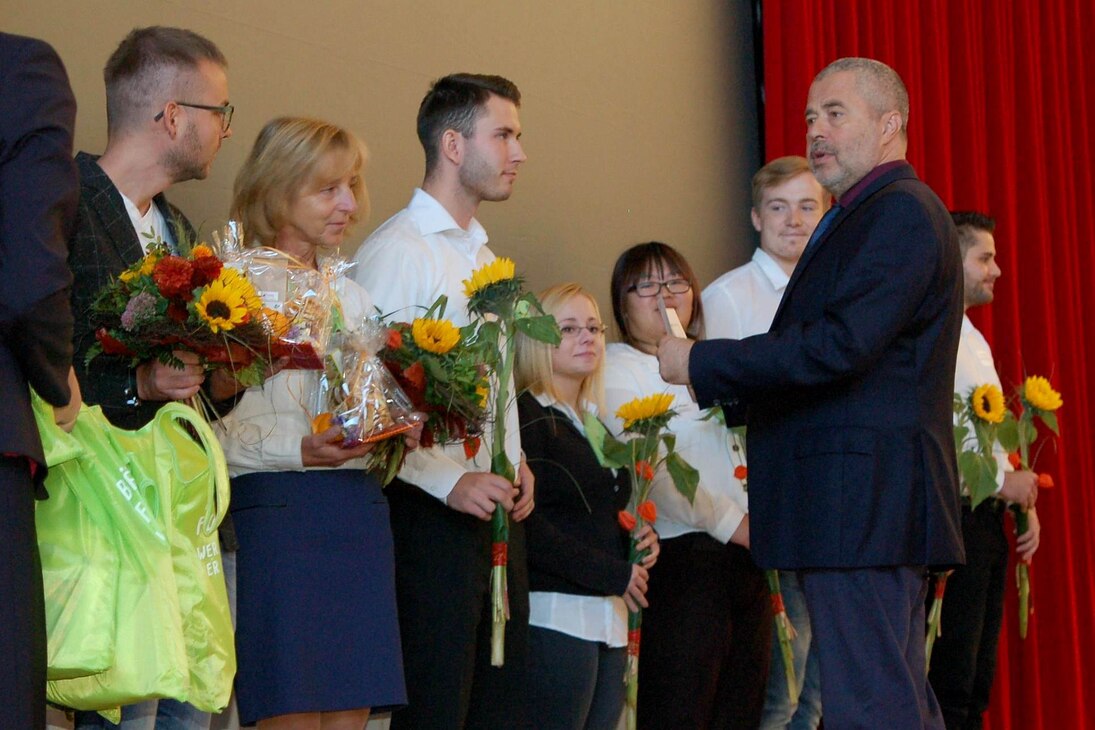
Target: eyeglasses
(573, 330)
(225, 112)
(652, 288)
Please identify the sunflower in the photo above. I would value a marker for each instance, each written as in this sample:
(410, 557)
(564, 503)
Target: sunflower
(988, 403)
(1040, 395)
(435, 335)
(223, 304)
(501, 269)
(644, 409)
(232, 278)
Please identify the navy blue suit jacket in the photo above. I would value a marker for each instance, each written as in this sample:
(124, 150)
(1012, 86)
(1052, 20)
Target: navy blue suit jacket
(38, 194)
(848, 396)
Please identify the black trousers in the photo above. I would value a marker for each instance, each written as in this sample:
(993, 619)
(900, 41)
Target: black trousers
(964, 657)
(706, 638)
(22, 606)
(442, 574)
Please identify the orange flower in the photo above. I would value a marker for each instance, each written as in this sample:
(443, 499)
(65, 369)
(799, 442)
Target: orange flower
(1014, 459)
(1045, 481)
(471, 447)
(322, 422)
(395, 339)
(648, 511)
(626, 520)
(741, 472)
(643, 470)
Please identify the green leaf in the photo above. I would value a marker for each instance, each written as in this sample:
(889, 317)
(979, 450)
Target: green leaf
(541, 329)
(1050, 419)
(1007, 433)
(684, 475)
(960, 434)
(979, 475)
(611, 454)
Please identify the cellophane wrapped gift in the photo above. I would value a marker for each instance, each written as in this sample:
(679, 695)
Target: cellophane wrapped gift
(357, 392)
(298, 300)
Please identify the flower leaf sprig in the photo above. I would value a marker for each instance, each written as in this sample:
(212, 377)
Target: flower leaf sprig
(1036, 399)
(978, 415)
(648, 449)
(497, 298)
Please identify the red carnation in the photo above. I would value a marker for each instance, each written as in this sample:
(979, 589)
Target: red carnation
(626, 520)
(111, 345)
(172, 275)
(648, 511)
(177, 312)
(205, 270)
(395, 339)
(416, 376)
(741, 472)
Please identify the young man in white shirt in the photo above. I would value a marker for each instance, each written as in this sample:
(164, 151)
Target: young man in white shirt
(964, 657)
(788, 202)
(442, 501)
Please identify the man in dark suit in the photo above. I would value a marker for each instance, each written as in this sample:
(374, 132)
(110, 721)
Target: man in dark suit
(38, 194)
(167, 115)
(848, 397)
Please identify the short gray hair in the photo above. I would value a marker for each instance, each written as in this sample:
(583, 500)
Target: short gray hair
(878, 83)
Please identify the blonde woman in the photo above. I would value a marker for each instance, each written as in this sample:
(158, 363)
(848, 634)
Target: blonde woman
(580, 580)
(317, 633)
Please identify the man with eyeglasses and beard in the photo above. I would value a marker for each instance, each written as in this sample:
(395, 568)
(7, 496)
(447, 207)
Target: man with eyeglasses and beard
(167, 115)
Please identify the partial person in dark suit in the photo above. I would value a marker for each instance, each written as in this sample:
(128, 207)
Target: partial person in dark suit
(38, 194)
(167, 115)
(851, 453)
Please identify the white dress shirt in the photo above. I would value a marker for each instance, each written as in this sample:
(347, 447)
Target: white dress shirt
(592, 618)
(743, 302)
(975, 367)
(720, 502)
(415, 256)
(263, 432)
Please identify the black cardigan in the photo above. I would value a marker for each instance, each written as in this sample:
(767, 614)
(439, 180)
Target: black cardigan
(575, 544)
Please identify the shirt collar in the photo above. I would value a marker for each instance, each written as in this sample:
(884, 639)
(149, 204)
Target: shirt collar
(432, 217)
(777, 277)
(849, 197)
(967, 324)
(549, 401)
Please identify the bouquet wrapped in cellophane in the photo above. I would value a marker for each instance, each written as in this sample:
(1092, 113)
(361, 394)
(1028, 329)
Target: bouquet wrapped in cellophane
(299, 300)
(441, 370)
(357, 393)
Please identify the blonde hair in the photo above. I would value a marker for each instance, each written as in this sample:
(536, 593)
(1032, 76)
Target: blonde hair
(288, 153)
(533, 369)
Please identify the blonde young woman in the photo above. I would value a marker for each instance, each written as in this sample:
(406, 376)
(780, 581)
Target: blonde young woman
(580, 580)
(317, 633)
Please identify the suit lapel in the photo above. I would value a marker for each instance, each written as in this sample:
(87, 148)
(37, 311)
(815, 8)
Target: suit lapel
(107, 204)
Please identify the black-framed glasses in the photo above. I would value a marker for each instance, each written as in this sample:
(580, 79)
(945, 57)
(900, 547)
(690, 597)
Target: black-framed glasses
(652, 287)
(573, 330)
(225, 112)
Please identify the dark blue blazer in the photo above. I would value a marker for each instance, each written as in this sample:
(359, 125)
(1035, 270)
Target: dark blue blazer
(848, 396)
(38, 194)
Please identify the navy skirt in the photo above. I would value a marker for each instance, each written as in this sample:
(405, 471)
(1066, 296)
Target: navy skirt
(316, 628)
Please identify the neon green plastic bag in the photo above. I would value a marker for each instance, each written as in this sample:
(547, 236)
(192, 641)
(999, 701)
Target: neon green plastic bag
(150, 656)
(193, 481)
(80, 563)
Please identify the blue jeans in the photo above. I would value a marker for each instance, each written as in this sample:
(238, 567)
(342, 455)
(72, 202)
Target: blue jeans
(164, 714)
(779, 712)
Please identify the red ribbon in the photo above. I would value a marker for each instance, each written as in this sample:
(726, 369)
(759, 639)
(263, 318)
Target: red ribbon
(633, 637)
(777, 604)
(499, 553)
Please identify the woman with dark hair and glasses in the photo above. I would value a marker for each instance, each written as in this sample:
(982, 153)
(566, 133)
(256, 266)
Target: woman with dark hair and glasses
(581, 582)
(705, 645)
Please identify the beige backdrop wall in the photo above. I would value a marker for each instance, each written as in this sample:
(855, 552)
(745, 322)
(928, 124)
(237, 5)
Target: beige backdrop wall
(638, 115)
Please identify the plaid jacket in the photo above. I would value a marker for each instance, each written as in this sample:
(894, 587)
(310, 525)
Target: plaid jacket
(103, 245)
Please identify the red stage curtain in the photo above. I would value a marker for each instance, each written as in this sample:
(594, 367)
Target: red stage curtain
(1001, 102)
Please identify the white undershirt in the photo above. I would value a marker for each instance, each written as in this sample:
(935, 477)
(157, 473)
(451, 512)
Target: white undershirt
(149, 227)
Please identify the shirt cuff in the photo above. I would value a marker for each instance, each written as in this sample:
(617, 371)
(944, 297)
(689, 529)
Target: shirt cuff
(432, 471)
(728, 524)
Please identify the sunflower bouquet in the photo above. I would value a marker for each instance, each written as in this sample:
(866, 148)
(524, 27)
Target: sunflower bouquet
(440, 369)
(497, 298)
(358, 394)
(648, 449)
(166, 302)
(1037, 400)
